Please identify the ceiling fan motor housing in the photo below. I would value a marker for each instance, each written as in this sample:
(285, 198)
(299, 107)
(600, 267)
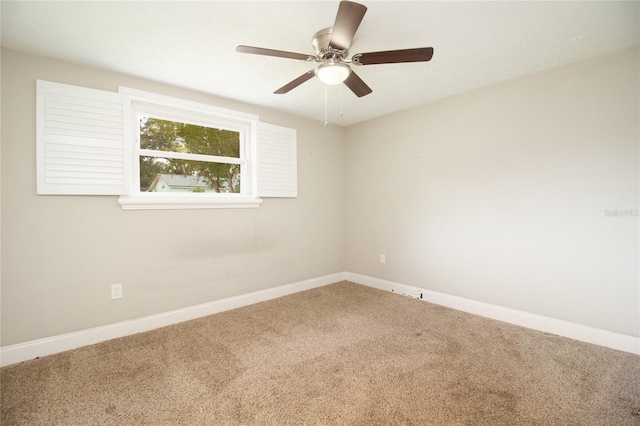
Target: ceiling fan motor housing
(323, 50)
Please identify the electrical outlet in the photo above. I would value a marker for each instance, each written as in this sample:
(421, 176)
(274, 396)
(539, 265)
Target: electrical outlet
(383, 259)
(116, 291)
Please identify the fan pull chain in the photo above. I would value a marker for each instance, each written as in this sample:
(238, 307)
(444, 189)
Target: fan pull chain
(341, 109)
(326, 119)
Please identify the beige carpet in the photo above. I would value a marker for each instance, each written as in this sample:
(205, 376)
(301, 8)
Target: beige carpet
(341, 354)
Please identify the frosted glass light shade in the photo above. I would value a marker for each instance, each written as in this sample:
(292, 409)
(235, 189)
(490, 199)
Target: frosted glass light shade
(333, 73)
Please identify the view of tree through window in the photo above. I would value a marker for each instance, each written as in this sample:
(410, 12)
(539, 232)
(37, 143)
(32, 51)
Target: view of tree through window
(164, 173)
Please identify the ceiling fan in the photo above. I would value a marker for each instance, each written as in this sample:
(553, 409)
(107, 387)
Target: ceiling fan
(332, 50)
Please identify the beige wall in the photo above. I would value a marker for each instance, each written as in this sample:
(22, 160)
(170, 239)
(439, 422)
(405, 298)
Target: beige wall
(60, 254)
(499, 195)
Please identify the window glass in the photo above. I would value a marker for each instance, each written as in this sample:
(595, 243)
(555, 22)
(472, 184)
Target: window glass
(165, 135)
(161, 174)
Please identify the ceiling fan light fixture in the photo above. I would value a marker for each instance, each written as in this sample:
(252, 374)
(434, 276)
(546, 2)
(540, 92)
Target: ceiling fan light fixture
(333, 72)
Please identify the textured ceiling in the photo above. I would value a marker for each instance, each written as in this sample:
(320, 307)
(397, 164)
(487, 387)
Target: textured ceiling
(192, 45)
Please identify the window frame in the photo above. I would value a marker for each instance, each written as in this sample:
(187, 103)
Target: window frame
(136, 103)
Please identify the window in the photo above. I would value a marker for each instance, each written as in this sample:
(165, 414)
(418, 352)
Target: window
(158, 152)
(186, 153)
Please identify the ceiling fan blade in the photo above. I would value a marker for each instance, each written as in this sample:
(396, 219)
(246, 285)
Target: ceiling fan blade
(356, 85)
(295, 83)
(348, 20)
(422, 54)
(277, 53)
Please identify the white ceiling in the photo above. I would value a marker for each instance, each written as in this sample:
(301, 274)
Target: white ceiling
(192, 45)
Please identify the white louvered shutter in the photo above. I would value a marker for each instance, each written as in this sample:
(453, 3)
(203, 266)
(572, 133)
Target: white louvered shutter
(277, 161)
(80, 140)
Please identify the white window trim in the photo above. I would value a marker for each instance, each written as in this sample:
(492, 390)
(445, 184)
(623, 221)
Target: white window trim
(204, 115)
(186, 201)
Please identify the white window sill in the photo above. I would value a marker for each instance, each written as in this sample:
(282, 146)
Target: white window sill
(186, 202)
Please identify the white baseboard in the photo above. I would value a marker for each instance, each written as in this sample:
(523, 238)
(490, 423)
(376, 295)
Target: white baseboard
(568, 329)
(64, 342)
(55, 344)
